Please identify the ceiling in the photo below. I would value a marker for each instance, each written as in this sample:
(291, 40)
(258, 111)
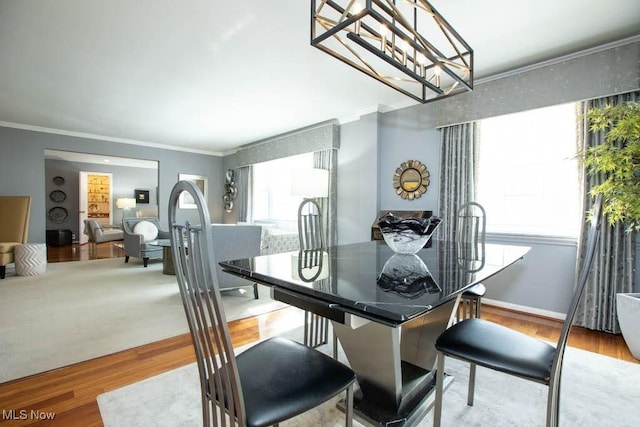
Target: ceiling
(213, 75)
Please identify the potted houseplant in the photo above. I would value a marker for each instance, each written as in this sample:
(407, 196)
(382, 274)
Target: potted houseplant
(618, 158)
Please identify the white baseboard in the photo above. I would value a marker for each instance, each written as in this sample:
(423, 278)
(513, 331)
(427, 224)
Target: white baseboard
(524, 309)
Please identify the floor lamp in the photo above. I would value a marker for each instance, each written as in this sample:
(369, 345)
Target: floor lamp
(124, 204)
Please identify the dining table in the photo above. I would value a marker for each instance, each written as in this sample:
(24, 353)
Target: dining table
(386, 309)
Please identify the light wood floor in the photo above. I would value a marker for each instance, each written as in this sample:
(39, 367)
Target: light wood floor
(71, 392)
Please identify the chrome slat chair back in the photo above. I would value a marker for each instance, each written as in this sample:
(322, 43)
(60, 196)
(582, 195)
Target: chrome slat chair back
(191, 245)
(505, 350)
(269, 382)
(470, 238)
(311, 237)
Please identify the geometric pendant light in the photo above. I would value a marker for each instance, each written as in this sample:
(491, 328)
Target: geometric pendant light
(405, 44)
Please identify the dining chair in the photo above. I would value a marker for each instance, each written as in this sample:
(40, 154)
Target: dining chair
(310, 231)
(470, 238)
(496, 347)
(269, 382)
(311, 238)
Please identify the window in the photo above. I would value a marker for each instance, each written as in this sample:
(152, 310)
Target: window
(272, 202)
(528, 172)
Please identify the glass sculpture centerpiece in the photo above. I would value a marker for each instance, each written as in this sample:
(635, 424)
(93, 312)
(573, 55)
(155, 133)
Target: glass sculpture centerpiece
(408, 276)
(407, 235)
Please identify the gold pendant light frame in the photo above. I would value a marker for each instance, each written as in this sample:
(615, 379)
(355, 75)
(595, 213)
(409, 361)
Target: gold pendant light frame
(405, 44)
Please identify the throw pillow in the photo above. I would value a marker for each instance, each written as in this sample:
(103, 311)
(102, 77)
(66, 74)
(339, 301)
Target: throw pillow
(148, 230)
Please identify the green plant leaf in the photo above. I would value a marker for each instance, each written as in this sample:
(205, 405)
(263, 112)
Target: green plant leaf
(618, 159)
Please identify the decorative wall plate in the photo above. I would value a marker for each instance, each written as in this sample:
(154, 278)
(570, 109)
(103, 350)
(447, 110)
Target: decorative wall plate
(230, 190)
(58, 180)
(58, 214)
(58, 196)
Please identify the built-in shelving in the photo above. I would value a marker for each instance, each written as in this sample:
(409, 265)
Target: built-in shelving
(99, 197)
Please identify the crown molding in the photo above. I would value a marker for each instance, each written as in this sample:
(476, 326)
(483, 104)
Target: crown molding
(107, 138)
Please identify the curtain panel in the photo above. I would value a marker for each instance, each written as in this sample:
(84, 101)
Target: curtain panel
(458, 176)
(244, 190)
(458, 173)
(613, 266)
(328, 160)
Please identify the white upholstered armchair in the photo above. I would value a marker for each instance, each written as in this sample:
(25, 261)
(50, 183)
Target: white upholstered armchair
(138, 233)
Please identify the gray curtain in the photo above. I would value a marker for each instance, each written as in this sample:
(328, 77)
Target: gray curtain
(458, 173)
(613, 269)
(458, 176)
(328, 160)
(244, 193)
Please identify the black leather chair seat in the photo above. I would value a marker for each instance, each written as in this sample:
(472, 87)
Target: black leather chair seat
(505, 350)
(476, 291)
(497, 347)
(277, 376)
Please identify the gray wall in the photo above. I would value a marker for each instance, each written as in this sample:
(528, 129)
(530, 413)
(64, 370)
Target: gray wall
(22, 169)
(543, 280)
(398, 144)
(358, 175)
(125, 181)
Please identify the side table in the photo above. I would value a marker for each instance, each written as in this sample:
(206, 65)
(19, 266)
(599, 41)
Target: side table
(31, 259)
(167, 255)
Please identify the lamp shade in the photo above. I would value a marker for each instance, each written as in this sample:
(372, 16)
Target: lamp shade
(310, 183)
(125, 203)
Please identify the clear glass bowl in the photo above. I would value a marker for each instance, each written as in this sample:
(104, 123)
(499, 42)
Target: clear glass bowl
(407, 235)
(406, 275)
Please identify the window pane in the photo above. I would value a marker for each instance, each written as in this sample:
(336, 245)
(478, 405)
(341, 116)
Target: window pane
(528, 172)
(272, 201)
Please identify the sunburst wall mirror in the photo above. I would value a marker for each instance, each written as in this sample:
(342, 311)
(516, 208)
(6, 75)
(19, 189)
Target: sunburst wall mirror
(411, 179)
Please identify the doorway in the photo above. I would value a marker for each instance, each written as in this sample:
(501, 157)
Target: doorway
(128, 175)
(95, 197)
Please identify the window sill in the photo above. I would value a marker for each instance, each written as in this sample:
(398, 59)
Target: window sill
(531, 239)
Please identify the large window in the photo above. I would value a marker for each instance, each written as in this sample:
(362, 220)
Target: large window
(528, 172)
(272, 201)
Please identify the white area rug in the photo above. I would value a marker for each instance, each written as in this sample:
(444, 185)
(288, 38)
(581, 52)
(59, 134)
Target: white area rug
(77, 311)
(597, 391)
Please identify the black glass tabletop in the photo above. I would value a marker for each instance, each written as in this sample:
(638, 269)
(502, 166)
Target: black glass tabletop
(370, 278)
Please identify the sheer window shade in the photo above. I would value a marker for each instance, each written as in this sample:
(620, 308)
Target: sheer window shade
(528, 173)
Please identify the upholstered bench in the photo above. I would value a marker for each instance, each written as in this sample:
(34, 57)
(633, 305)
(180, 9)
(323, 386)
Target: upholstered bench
(275, 241)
